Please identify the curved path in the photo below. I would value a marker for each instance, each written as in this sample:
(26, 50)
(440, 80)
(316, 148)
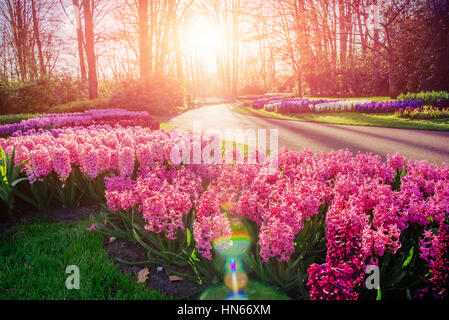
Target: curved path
(295, 135)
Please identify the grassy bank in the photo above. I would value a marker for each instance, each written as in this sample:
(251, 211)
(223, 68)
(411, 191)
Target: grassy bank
(389, 120)
(34, 257)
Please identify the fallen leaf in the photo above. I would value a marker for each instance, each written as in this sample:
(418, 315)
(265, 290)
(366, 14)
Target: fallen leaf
(142, 275)
(175, 278)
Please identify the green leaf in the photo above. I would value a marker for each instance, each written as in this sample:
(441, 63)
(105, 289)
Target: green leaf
(11, 161)
(189, 237)
(379, 294)
(4, 195)
(16, 182)
(409, 295)
(2, 163)
(409, 258)
(26, 198)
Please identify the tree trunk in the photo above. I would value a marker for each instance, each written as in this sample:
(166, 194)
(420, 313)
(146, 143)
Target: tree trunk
(299, 80)
(393, 85)
(363, 38)
(164, 36)
(334, 35)
(145, 68)
(18, 24)
(38, 39)
(441, 31)
(343, 34)
(235, 47)
(178, 57)
(33, 72)
(80, 38)
(376, 21)
(90, 50)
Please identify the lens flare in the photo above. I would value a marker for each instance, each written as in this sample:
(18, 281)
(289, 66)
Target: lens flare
(236, 278)
(234, 245)
(232, 248)
(236, 296)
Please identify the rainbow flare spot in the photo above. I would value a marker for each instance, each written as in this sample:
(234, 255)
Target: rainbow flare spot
(231, 248)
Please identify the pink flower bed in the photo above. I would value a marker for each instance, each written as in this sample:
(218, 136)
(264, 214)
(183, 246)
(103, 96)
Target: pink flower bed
(90, 117)
(367, 213)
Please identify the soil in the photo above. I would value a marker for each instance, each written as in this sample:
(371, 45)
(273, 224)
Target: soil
(65, 215)
(158, 277)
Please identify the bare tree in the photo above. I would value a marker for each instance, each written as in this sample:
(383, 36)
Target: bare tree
(17, 15)
(88, 6)
(80, 39)
(386, 35)
(145, 62)
(228, 14)
(37, 38)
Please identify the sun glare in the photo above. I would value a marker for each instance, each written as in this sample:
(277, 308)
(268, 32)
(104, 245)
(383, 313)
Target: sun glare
(205, 40)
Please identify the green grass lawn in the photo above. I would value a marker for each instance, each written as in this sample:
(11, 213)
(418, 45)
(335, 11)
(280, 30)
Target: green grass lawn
(34, 257)
(389, 120)
(15, 118)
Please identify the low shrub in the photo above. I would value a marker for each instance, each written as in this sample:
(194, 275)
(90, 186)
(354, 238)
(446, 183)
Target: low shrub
(39, 95)
(79, 106)
(161, 96)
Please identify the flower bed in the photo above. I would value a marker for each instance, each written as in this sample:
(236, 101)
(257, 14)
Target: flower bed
(426, 112)
(260, 103)
(388, 106)
(442, 104)
(87, 118)
(283, 105)
(338, 106)
(317, 223)
(371, 210)
(297, 105)
(291, 106)
(428, 97)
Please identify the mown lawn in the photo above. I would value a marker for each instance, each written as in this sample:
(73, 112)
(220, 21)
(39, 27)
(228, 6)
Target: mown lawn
(34, 257)
(389, 120)
(15, 118)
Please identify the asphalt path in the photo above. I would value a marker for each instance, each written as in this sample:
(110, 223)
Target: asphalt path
(432, 146)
